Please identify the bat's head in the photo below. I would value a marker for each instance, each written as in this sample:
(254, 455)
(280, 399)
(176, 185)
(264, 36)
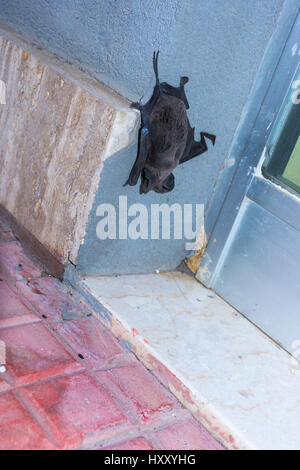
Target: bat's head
(160, 182)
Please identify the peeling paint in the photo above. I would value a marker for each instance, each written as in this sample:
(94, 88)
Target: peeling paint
(203, 272)
(194, 261)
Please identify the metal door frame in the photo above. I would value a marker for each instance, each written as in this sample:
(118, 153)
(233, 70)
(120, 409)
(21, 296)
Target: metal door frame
(271, 86)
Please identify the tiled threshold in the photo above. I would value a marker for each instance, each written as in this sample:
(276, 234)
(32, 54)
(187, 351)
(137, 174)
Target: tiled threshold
(240, 384)
(65, 381)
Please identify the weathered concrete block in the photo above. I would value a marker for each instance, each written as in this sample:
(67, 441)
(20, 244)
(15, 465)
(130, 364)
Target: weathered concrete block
(54, 139)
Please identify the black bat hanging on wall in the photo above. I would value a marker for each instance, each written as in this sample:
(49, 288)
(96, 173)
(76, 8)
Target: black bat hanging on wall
(166, 138)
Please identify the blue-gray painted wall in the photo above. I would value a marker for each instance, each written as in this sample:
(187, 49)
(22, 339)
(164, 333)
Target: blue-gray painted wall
(111, 39)
(218, 44)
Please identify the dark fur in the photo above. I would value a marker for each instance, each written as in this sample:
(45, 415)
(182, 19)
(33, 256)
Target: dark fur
(166, 138)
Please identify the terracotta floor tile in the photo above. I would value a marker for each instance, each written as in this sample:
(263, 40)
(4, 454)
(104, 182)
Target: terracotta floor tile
(18, 429)
(16, 263)
(148, 397)
(4, 386)
(135, 444)
(52, 299)
(33, 353)
(187, 435)
(12, 310)
(92, 341)
(75, 408)
(52, 344)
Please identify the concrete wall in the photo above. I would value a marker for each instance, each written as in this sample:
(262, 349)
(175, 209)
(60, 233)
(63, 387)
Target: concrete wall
(220, 49)
(53, 142)
(218, 44)
(111, 39)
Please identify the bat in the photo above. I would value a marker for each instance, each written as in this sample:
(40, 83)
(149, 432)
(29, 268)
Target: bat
(166, 138)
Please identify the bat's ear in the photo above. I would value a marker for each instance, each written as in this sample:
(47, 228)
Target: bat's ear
(155, 66)
(183, 80)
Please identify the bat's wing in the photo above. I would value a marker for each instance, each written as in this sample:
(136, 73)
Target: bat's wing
(144, 137)
(193, 148)
(144, 146)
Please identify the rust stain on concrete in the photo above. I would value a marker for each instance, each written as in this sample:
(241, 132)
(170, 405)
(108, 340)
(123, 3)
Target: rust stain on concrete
(194, 261)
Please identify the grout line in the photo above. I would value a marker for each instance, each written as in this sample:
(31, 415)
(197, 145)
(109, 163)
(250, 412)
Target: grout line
(37, 416)
(166, 378)
(124, 404)
(160, 420)
(146, 429)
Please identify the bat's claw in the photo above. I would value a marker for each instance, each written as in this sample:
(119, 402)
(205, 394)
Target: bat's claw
(211, 137)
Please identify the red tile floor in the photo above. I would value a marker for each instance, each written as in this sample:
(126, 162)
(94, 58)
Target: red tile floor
(68, 383)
